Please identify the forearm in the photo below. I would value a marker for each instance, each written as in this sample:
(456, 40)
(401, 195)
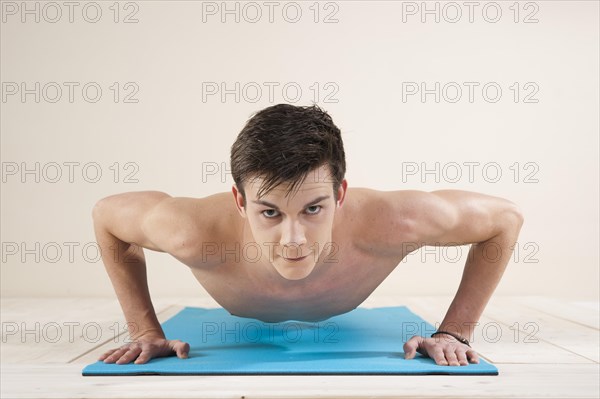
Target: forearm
(483, 270)
(126, 267)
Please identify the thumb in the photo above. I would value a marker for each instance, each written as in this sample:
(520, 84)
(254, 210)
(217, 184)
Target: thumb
(411, 346)
(182, 349)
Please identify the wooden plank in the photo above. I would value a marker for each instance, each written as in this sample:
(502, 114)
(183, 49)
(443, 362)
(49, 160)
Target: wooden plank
(493, 340)
(23, 348)
(571, 336)
(58, 329)
(591, 305)
(584, 313)
(92, 355)
(174, 307)
(47, 380)
(515, 381)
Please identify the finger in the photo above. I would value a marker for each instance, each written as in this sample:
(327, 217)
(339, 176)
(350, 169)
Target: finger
(410, 347)
(472, 355)
(462, 358)
(439, 357)
(450, 354)
(129, 355)
(106, 354)
(143, 357)
(115, 355)
(181, 349)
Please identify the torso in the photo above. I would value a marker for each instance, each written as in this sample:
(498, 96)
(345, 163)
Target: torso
(255, 290)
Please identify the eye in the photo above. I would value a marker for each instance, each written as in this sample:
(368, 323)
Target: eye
(271, 216)
(316, 211)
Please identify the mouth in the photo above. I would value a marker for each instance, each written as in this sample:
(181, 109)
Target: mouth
(296, 259)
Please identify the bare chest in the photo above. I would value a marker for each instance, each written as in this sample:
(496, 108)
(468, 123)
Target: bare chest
(338, 285)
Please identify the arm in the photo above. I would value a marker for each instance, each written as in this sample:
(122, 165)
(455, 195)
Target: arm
(123, 224)
(455, 217)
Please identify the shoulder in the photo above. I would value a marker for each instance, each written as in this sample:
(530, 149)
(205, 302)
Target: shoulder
(398, 222)
(189, 223)
(392, 222)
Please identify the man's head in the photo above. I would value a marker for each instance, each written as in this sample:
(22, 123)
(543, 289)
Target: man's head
(284, 158)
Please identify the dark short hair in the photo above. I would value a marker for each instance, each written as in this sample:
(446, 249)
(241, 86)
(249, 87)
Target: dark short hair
(283, 143)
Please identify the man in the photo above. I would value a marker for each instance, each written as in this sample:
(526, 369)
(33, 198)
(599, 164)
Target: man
(295, 243)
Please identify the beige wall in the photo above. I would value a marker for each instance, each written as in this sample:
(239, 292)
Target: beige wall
(361, 64)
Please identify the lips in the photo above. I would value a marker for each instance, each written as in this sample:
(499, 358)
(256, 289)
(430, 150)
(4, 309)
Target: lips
(295, 259)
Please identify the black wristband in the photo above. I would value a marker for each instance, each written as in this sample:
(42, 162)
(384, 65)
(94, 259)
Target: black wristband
(458, 337)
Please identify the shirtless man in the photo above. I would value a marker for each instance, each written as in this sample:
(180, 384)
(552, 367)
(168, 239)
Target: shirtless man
(294, 242)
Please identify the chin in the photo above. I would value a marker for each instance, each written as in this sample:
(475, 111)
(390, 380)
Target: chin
(294, 274)
(294, 277)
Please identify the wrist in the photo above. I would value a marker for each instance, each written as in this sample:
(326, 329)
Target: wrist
(464, 330)
(148, 334)
(456, 336)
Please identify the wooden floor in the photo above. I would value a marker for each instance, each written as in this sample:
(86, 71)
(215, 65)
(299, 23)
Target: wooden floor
(543, 348)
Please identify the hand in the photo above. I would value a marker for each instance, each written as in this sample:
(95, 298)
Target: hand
(446, 350)
(146, 348)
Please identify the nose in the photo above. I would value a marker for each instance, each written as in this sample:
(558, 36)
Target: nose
(292, 239)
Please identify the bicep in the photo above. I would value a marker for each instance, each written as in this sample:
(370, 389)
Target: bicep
(453, 217)
(470, 217)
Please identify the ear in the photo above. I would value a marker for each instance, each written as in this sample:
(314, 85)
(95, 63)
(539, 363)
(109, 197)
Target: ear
(239, 200)
(342, 192)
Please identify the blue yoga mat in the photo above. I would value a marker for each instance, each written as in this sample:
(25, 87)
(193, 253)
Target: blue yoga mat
(362, 341)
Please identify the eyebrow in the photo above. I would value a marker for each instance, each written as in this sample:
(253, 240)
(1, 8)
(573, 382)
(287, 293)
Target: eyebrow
(318, 199)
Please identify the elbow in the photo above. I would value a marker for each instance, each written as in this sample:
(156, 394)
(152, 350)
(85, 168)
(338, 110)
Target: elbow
(100, 208)
(520, 217)
(96, 210)
(514, 217)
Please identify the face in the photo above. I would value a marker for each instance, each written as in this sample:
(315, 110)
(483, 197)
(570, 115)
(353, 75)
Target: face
(293, 231)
